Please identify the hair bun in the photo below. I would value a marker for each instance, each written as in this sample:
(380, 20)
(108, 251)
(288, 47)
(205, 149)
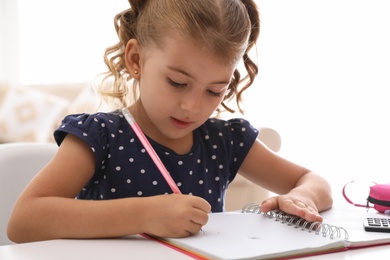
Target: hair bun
(137, 5)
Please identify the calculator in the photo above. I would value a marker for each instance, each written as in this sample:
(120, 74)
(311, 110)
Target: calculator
(376, 224)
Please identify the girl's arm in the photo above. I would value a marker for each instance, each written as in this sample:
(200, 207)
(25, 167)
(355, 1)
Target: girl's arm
(47, 209)
(302, 192)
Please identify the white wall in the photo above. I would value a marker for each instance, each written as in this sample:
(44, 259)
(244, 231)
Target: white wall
(9, 55)
(64, 41)
(2, 34)
(324, 83)
(324, 72)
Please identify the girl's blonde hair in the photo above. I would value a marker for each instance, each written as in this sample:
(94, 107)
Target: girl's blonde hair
(226, 28)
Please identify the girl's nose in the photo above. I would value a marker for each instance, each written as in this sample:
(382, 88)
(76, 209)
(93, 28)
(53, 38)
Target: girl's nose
(191, 103)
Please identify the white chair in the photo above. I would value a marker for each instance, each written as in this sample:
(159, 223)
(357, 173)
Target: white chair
(241, 190)
(271, 138)
(19, 162)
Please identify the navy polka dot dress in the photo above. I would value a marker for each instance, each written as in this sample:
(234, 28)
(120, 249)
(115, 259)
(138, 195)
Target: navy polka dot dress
(124, 168)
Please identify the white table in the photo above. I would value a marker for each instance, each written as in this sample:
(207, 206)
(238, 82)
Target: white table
(137, 247)
(134, 247)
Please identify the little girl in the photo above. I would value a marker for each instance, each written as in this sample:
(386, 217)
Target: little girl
(183, 60)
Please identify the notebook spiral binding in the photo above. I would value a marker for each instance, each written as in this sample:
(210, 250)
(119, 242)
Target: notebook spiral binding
(318, 228)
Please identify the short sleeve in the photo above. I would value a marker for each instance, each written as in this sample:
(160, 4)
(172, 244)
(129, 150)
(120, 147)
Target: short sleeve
(243, 136)
(91, 128)
(231, 141)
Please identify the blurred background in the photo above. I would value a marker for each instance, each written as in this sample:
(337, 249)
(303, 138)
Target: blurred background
(323, 82)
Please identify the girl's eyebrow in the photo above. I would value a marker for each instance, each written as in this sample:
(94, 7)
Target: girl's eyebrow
(192, 77)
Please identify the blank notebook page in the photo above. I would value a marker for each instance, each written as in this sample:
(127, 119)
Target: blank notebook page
(236, 235)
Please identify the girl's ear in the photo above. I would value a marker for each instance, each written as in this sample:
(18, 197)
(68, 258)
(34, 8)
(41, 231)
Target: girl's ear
(132, 55)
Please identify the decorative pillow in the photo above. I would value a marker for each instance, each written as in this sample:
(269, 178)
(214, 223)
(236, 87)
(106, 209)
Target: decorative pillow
(3, 90)
(27, 114)
(86, 101)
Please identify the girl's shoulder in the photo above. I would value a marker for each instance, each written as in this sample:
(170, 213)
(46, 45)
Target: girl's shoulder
(91, 125)
(232, 134)
(234, 125)
(99, 120)
(85, 118)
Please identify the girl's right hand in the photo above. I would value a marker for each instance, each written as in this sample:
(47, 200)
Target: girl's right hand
(176, 215)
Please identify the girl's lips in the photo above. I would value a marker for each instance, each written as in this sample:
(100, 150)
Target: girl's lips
(180, 124)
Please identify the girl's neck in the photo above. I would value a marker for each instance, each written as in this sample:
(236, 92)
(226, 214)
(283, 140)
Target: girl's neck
(180, 146)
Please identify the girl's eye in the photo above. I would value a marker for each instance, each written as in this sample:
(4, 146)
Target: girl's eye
(182, 85)
(176, 84)
(214, 94)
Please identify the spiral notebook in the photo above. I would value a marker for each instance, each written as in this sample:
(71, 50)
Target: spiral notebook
(248, 234)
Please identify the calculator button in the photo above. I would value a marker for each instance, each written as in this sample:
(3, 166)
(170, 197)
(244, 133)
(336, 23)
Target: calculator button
(373, 222)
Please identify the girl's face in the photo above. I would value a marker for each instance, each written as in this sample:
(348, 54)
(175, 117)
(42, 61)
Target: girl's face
(181, 85)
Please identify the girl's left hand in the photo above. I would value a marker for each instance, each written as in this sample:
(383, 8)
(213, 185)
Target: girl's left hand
(294, 206)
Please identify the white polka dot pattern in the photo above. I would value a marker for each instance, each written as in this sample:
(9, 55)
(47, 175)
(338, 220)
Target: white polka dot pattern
(124, 169)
